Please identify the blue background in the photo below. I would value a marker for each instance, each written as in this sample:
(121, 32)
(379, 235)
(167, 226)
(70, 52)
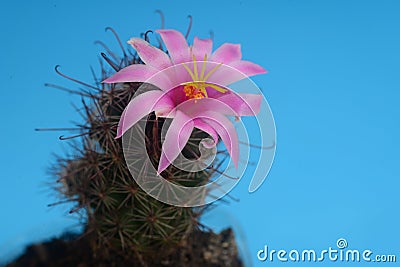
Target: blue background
(333, 86)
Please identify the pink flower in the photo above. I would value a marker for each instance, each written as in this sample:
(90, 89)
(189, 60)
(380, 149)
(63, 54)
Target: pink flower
(194, 93)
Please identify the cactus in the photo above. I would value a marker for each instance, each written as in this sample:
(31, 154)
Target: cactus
(120, 217)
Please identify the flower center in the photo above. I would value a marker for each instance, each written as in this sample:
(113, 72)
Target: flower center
(192, 92)
(197, 88)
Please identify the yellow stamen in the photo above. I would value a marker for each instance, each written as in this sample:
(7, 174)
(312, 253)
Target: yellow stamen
(212, 71)
(196, 75)
(216, 87)
(203, 68)
(197, 88)
(190, 72)
(203, 90)
(192, 92)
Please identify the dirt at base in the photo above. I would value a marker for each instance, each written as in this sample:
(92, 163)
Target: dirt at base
(205, 249)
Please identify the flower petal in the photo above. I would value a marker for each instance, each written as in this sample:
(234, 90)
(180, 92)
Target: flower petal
(235, 71)
(132, 73)
(226, 130)
(228, 103)
(201, 47)
(248, 68)
(201, 125)
(142, 73)
(242, 104)
(194, 107)
(176, 138)
(227, 53)
(149, 54)
(142, 105)
(176, 45)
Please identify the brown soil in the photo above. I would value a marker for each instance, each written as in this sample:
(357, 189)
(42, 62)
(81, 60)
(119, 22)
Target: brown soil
(205, 249)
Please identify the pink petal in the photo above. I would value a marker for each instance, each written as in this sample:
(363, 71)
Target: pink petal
(242, 104)
(132, 73)
(142, 105)
(235, 71)
(177, 94)
(120, 127)
(202, 47)
(228, 103)
(141, 73)
(181, 74)
(149, 54)
(176, 138)
(227, 53)
(176, 45)
(201, 125)
(226, 130)
(248, 68)
(195, 107)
